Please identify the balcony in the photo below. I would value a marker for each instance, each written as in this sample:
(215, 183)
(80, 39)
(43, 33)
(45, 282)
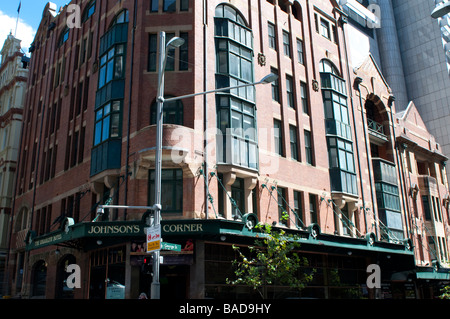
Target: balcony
(182, 148)
(118, 33)
(388, 199)
(384, 171)
(376, 131)
(427, 182)
(234, 150)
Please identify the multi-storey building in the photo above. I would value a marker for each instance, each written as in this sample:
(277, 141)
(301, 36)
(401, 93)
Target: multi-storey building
(426, 199)
(13, 77)
(319, 144)
(384, 41)
(411, 48)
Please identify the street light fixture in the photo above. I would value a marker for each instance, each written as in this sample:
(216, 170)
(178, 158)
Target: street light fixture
(441, 10)
(174, 42)
(163, 46)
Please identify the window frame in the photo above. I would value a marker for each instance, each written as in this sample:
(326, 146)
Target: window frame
(172, 181)
(111, 58)
(64, 36)
(175, 107)
(313, 208)
(278, 137)
(112, 118)
(282, 206)
(309, 151)
(324, 28)
(300, 52)
(154, 3)
(275, 86)
(272, 35)
(169, 6)
(287, 43)
(89, 11)
(304, 97)
(298, 208)
(290, 99)
(293, 142)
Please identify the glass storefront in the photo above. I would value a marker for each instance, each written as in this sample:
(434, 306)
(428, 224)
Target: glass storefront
(107, 277)
(335, 276)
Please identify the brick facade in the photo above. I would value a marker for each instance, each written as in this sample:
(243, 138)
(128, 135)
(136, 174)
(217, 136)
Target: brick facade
(56, 178)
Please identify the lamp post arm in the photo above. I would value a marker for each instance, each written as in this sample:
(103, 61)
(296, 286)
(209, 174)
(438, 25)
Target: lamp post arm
(176, 98)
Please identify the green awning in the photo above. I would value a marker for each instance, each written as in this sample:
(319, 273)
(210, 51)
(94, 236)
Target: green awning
(433, 275)
(84, 235)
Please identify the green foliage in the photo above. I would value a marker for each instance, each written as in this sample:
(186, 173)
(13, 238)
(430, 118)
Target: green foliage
(445, 293)
(273, 261)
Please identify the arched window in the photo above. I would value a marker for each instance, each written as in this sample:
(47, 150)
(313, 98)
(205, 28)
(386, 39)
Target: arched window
(226, 11)
(63, 37)
(338, 130)
(297, 11)
(326, 66)
(113, 51)
(172, 113)
(21, 220)
(121, 17)
(88, 11)
(331, 78)
(236, 110)
(39, 279)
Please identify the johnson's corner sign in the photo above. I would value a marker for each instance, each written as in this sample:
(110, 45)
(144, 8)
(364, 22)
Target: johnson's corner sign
(129, 229)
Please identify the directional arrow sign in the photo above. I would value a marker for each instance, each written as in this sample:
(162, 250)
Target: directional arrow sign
(170, 246)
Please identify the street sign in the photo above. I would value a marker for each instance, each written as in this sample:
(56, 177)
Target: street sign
(153, 238)
(170, 246)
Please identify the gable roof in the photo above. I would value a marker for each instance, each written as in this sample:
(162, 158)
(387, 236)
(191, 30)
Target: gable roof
(411, 114)
(368, 63)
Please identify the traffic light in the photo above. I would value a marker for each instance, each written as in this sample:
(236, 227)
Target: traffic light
(147, 265)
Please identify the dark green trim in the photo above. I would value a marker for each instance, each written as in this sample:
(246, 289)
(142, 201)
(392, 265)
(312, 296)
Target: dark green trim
(85, 235)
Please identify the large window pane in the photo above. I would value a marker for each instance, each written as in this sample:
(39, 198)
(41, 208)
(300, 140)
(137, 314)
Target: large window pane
(169, 5)
(171, 190)
(105, 132)
(98, 133)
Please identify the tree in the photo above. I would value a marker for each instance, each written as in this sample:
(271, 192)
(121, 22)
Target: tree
(273, 261)
(445, 293)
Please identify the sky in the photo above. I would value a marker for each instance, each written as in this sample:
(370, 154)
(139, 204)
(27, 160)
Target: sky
(29, 19)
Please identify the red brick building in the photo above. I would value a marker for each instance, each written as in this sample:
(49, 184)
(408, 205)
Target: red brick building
(301, 145)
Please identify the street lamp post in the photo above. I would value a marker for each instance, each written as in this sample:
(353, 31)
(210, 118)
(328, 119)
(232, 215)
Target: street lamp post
(441, 10)
(163, 46)
(174, 42)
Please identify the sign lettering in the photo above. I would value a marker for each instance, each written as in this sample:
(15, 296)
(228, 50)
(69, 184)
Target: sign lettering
(114, 229)
(153, 238)
(183, 228)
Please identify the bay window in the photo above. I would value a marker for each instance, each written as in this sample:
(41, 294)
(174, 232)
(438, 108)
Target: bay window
(107, 122)
(236, 110)
(111, 65)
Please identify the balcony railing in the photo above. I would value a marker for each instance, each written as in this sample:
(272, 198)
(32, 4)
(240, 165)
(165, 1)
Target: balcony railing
(375, 126)
(376, 129)
(427, 182)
